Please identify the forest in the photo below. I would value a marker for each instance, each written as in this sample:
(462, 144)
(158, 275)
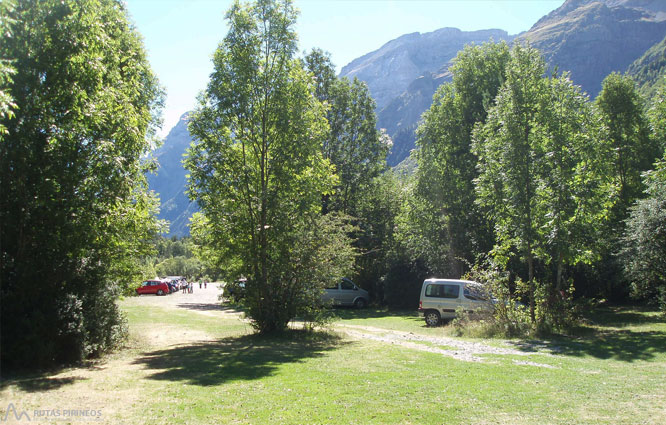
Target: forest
(554, 200)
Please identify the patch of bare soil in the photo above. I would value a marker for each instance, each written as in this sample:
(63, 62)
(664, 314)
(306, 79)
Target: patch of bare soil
(451, 347)
(202, 300)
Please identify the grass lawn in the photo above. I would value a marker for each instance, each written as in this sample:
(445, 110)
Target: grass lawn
(188, 367)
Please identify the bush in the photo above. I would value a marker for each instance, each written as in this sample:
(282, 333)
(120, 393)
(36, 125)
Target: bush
(509, 318)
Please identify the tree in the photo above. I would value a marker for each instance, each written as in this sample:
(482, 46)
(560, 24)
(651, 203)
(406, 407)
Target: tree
(644, 241)
(539, 170)
(358, 151)
(573, 187)
(627, 134)
(451, 222)
(257, 169)
(6, 69)
(353, 145)
(76, 213)
(630, 151)
(509, 158)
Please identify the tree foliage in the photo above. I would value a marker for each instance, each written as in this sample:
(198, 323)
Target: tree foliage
(6, 69)
(450, 220)
(257, 168)
(358, 151)
(644, 241)
(539, 170)
(75, 210)
(626, 131)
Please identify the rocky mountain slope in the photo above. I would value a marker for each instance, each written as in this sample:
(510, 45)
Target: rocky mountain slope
(169, 182)
(391, 69)
(649, 71)
(591, 39)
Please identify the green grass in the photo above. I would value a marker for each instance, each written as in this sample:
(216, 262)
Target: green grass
(614, 374)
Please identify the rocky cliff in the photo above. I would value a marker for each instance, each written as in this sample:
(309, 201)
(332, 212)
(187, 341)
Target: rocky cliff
(169, 181)
(592, 39)
(392, 68)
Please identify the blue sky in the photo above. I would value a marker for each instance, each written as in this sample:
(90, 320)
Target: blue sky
(181, 35)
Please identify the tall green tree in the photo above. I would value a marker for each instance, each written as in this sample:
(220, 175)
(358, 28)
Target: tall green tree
(644, 240)
(75, 210)
(257, 168)
(627, 134)
(358, 151)
(574, 187)
(540, 174)
(509, 159)
(353, 145)
(451, 222)
(630, 150)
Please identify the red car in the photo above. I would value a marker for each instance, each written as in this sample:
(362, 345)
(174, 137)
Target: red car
(156, 287)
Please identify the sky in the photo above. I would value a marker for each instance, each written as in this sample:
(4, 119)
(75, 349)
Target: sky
(181, 35)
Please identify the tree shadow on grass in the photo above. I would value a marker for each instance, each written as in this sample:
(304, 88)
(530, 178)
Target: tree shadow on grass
(620, 317)
(209, 307)
(246, 357)
(608, 340)
(40, 381)
(350, 313)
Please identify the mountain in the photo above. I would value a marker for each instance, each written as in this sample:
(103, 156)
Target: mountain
(392, 68)
(592, 39)
(589, 38)
(169, 181)
(649, 71)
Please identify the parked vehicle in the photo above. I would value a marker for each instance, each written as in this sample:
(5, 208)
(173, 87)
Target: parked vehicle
(441, 297)
(156, 287)
(173, 282)
(345, 292)
(235, 290)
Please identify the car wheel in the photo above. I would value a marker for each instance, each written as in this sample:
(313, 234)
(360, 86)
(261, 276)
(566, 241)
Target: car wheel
(160, 292)
(360, 303)
(432, 318)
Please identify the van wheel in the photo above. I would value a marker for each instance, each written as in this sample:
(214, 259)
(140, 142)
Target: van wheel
(432, 318)
(360, 303)
(160, 292)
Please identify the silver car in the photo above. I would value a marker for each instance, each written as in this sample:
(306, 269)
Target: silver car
(346, 293)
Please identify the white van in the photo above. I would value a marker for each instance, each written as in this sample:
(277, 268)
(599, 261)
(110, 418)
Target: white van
(441, 297)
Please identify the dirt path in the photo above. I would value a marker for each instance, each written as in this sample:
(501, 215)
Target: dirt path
(451, 347)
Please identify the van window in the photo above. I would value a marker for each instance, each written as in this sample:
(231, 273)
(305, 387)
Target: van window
(345, 284)
(442, 291)
(474, 293)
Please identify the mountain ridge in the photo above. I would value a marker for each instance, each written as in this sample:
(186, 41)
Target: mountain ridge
(589, 38)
